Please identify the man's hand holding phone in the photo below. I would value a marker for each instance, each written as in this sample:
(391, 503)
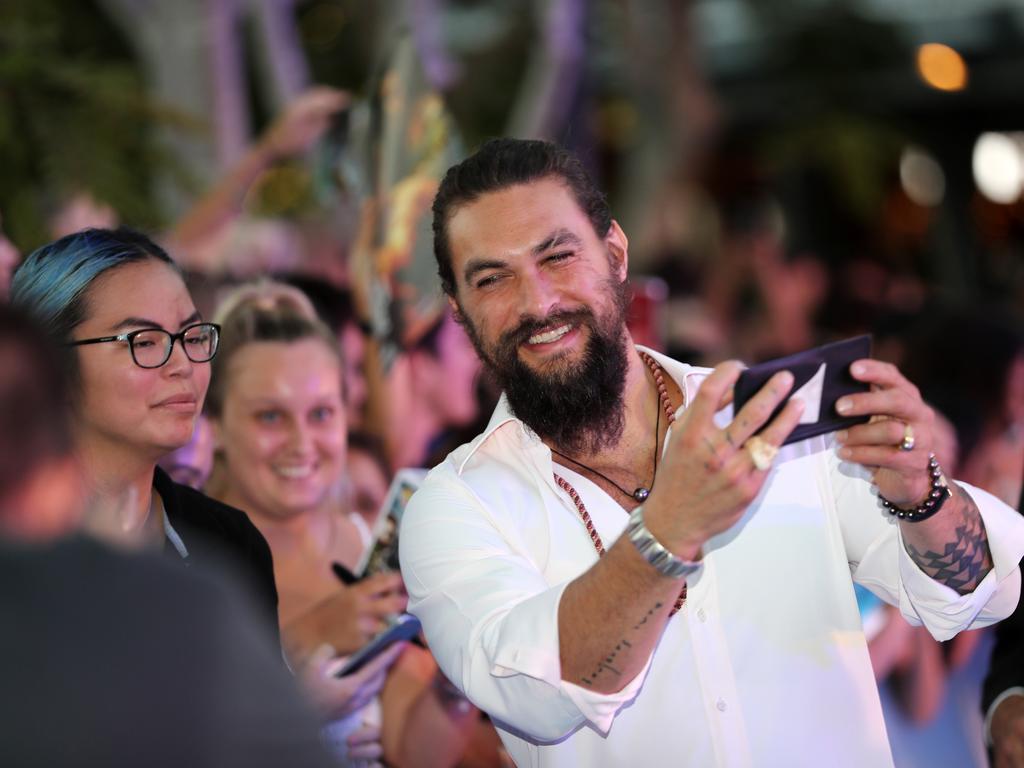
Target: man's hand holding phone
(898, 418)
(710, 476)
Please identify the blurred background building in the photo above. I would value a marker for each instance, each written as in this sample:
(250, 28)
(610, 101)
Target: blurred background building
(873, 144)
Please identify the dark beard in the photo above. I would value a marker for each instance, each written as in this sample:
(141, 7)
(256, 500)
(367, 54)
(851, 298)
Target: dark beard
(576, 407)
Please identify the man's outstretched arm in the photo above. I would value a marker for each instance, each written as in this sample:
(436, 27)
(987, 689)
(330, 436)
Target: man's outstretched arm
(611, 617)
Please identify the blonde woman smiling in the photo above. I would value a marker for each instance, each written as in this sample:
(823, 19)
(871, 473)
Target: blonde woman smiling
(278, 414)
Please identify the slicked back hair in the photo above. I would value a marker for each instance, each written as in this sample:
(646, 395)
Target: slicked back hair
(503, 163)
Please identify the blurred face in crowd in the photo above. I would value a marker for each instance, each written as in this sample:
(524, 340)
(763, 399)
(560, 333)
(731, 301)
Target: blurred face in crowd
(368, 485)
(544, 301)
(152, 410)
(192, 463)
(446, 383)
(9, 258)
(353, 345)
(283, 429)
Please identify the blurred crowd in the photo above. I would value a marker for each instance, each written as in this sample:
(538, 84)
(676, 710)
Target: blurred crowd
(291, 409)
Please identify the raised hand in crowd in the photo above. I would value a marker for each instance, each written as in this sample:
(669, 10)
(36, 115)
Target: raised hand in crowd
(295, 131)
(302, 123)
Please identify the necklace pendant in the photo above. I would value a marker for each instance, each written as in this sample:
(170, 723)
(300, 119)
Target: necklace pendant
(641, 494)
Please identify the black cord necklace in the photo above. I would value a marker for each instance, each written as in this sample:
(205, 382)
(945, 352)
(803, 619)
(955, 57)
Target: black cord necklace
(640, 494)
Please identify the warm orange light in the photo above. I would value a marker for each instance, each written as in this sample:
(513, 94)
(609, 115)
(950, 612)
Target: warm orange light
(941, 67)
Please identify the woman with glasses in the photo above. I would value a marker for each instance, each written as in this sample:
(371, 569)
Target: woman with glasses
(139, 363)
(139, 368)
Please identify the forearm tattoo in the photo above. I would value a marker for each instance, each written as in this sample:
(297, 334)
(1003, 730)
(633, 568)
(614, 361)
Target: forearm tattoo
(607, 664)
(965, 560)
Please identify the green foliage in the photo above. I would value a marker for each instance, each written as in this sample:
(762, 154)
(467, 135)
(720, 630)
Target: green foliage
(74, 116)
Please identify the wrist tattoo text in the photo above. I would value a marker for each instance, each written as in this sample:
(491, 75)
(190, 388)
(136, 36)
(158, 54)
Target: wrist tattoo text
(607, 664)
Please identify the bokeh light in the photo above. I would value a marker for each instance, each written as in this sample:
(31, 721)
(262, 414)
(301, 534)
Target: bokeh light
(941, 67)
(998, 167)
(921, 177)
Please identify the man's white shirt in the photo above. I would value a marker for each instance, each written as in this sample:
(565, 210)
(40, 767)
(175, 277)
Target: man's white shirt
(765, 665)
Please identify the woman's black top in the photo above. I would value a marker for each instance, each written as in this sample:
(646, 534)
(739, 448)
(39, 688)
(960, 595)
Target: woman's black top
(221, 538)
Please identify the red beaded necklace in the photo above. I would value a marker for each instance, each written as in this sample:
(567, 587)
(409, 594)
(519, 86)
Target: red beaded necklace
(581, 509)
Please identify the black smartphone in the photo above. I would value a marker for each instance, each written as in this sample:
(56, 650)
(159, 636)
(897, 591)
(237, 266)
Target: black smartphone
(820, 376)
(405, 626)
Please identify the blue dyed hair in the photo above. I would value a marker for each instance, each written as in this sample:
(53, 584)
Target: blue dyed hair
(52, 284)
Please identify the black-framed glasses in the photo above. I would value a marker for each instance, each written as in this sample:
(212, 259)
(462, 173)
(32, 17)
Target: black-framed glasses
(151, 347)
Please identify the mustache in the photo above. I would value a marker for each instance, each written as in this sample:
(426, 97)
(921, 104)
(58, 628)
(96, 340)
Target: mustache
(528, 326)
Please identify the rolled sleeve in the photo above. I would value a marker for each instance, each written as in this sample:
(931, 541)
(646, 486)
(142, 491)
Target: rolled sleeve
(944, 611)
(879, 559)
(518, 652)
(491, 619)
(600, 709)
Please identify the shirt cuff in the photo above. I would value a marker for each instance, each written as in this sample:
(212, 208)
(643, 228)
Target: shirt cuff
(1015, 691)
(529, 645)
(944, 611)
(600, 709)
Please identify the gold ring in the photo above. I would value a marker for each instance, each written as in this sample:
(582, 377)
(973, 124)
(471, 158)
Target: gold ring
(762, 453)
(907, 443)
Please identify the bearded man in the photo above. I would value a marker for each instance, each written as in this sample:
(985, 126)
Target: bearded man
(616, 570)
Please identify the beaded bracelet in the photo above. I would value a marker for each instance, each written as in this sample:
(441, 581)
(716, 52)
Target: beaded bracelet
(933, 501)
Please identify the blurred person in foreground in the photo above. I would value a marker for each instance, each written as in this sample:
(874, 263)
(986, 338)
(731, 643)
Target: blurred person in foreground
(278, 413)
(109, 658)
(722, 628)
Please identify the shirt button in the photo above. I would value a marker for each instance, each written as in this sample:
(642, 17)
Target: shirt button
(721, 705)
(702, 615)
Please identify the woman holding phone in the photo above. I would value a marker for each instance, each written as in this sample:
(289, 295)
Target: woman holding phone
(278, 413)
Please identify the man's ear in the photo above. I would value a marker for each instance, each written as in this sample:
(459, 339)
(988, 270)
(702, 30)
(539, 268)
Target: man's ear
(618, 249)
(456, 311)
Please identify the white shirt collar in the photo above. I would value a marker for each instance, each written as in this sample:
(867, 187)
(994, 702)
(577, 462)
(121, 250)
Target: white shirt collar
(688, 378)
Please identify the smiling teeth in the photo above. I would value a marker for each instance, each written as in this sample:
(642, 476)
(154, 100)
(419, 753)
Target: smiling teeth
(548, 336)
(294, 473)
